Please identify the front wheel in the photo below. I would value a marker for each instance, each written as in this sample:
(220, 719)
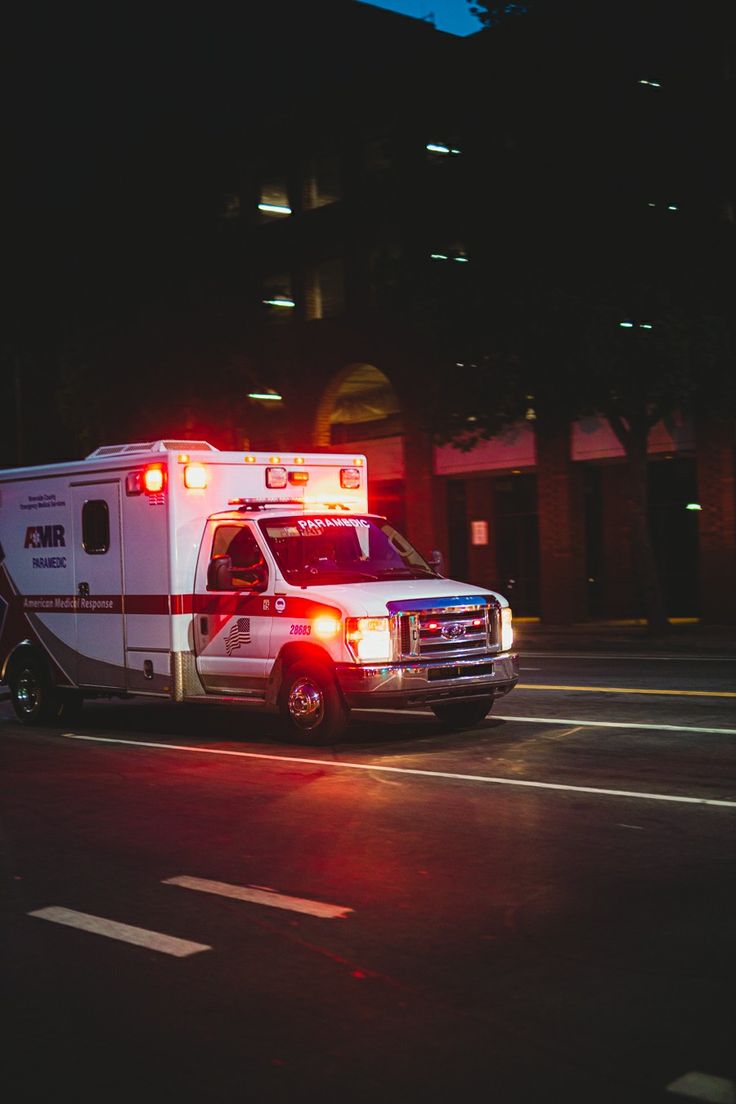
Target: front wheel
(312, 706)
(463, 714)
(32, 693)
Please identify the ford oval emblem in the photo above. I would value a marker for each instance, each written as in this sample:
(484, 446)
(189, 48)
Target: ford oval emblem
(453, 631)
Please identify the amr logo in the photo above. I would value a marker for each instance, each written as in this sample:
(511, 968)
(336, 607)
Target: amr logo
(45, 536)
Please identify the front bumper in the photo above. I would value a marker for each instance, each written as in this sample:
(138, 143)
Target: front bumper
(402, 685)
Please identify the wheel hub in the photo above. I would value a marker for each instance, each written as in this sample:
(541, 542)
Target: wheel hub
(306, 703)
(27, 691)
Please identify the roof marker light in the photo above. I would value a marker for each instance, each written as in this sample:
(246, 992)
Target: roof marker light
(183, 458)
(298, 459)
(275, 208)
(437, 147)
(274, 459)
(266, 396)
(279, 301)
(195, 477)
(439, 256)
(358, 461)
(250, 459)
(626, 325)
(463, 259)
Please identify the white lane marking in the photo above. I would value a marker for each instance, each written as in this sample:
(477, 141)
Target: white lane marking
(623, 655)
(141, 937)
(704, 1086)
(258, 895)
(628, 690)
(414, 771)
(567, 721)
(620, 724)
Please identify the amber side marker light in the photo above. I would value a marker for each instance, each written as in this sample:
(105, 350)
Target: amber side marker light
(325, 626)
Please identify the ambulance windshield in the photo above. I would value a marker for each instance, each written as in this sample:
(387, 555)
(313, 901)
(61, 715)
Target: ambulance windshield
(329, 548)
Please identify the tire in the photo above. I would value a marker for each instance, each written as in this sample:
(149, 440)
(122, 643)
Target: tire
(312, 706)
(463, 714)
(32, 692)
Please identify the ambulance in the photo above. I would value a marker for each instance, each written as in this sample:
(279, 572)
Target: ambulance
(175, 570)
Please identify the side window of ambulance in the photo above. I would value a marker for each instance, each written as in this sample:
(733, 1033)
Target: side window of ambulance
(249, 570)
(95, 527)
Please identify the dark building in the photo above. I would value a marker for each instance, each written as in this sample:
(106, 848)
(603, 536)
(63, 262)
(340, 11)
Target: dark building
(385, 187)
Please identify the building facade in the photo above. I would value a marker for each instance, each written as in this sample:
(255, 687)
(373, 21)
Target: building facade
(412, 168)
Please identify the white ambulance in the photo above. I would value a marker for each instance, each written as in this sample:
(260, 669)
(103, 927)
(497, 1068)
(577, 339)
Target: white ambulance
(174, 570)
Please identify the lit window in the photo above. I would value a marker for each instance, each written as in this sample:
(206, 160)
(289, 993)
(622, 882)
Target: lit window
(438, 150)
(277, 296)
(274, 201)
(455, 252)
(322, 181)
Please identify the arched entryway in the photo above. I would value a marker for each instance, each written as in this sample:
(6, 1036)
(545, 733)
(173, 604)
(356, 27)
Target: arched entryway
(360, 412)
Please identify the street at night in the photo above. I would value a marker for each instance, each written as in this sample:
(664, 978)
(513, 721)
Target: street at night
(539, 907)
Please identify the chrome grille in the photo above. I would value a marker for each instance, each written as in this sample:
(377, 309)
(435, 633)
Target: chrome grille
(463, 631)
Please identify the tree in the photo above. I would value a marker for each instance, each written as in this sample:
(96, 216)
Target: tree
(633, 356)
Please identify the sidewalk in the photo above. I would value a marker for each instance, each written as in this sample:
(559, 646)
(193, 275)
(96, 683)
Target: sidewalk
(629, 637)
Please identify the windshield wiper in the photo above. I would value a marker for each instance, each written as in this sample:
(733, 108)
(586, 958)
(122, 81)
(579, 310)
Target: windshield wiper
(406, 573)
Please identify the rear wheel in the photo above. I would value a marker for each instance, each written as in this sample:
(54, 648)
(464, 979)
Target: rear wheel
(32, 692)
(312, 706)
(463, 714)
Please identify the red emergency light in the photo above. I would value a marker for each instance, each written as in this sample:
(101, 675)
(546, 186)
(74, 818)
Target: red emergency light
(154, 479)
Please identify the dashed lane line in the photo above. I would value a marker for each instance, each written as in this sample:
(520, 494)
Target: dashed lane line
(261, 895)
(416, 772)
(124, 933)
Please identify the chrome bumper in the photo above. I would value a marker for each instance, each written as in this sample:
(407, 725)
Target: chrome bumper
(402, 685)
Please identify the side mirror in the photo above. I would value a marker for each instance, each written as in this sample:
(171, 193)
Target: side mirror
(220, 573)
(436, 561)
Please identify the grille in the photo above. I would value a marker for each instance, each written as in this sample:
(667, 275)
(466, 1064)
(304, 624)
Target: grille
(465, 631)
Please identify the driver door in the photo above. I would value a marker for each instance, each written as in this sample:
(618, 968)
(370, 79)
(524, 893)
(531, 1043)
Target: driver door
(232, 625)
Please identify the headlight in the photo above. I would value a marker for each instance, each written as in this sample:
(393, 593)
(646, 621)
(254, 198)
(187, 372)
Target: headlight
(507, 630)
(369, 638)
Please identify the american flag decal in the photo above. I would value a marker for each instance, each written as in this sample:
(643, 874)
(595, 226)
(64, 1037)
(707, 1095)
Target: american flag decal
(239, 633)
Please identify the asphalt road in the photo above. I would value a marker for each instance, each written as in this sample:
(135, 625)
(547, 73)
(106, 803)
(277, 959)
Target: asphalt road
(539, 908)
